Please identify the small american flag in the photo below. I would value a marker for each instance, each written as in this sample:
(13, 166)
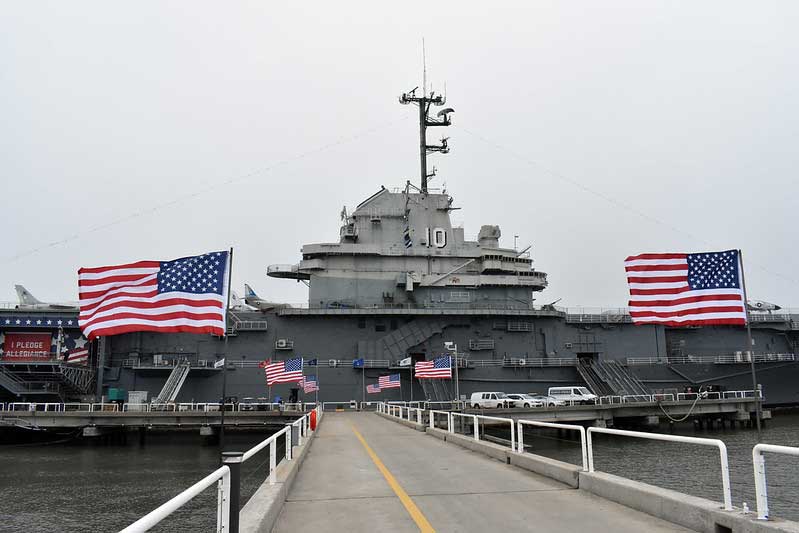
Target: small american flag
(78, 356)
(686, 289)
(389, 382)
(309, 384)
(288, 371)
(373, 389)
(183, 295)
(440, 367)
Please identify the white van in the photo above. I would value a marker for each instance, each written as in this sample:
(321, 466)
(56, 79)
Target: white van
(490, 400)
(572, 395)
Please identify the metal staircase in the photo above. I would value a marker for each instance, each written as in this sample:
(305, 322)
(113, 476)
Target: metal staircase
(43, 384)
(11, 383)
(174, 383)
(610, 378)
(396, 343)
(79, 379)
(437, 390)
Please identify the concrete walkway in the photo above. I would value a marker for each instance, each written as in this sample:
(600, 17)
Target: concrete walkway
(341, 488)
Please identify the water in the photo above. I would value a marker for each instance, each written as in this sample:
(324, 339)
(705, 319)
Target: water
(690, 468)
(79, 487)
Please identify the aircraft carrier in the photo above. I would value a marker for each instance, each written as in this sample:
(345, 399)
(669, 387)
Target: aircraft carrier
(400, 283)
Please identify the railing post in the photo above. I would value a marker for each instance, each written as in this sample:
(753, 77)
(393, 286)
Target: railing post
(520, 448)
(432, 418)
(272, 462)
(289, 451)
(761, 493)
(476, 428)
(233, 461)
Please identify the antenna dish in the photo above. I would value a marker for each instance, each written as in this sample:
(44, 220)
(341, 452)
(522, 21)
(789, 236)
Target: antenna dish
(445, 111)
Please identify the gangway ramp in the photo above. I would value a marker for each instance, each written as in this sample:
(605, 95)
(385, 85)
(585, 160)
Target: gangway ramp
(364, 473)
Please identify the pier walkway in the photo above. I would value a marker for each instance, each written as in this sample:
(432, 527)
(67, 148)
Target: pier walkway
(364, 472)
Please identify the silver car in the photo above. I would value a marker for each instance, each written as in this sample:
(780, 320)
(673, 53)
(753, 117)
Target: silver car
(547, 401)
(525, 400)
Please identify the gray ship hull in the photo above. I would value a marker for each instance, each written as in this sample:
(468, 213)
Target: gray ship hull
(520, 352)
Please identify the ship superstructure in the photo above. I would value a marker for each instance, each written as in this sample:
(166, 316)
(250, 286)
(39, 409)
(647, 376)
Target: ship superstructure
(398, 248)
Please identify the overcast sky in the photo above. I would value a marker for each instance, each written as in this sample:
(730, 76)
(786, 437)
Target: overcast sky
(592, 130)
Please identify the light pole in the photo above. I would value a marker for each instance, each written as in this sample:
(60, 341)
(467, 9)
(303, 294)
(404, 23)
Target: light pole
(452, 347)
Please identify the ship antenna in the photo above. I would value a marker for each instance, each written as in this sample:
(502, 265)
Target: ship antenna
(442, 118)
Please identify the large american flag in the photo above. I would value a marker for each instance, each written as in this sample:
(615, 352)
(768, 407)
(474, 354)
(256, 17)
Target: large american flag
(372, 389)
(310, 384)
(440, 367)
(389, 382)
(187, 294)
(686, 289)
(288, 371)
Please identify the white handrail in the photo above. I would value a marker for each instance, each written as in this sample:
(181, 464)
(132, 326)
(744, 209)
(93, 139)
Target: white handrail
(272, 443)
(432, 419)
(159, 513)
(572, 427)
(759, 463)
(476, 419)
(725, 467)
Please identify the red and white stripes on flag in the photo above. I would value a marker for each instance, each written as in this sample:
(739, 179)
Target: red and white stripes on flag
(182, 295)
(372, 389)
(288, 371)
(678, 289)
(78, 356)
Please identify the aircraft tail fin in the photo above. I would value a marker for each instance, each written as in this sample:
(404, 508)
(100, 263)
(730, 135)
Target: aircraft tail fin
(248, 292)
(235, 301)
(25, 297)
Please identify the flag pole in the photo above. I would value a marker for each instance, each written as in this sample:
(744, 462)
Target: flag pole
(400, 382)
(224, 353)
(749, 346)
(363, 383)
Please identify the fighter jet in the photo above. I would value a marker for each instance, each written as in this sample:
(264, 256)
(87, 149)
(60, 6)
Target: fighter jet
(760, 305)
(29, 301)
(250, 298)
(237, 304)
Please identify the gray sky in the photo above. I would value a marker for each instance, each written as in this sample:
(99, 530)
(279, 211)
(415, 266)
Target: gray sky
(154, 130)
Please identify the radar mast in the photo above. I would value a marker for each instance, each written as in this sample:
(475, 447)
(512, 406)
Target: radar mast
(442, 118)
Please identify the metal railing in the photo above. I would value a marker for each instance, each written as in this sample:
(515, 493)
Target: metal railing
(220, 475)
(725, 467)
(228, 481)
(679, 397)
(572, 427)
(432, 419)
(476, 425)
(759, 464)
(726, 359)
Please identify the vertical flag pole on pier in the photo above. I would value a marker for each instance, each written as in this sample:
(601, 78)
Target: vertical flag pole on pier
(224, 353)
(749, 352)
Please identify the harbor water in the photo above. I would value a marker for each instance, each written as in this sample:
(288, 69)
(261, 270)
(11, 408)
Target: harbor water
(79, 487)
(687, 468)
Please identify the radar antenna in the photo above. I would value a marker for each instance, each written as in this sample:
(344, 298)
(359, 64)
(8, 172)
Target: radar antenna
(442, 118)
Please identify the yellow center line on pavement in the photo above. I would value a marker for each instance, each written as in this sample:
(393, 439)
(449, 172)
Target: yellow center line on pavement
(406, 500)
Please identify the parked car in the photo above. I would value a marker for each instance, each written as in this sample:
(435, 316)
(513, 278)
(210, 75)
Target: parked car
(547, 401)
(490, 400)
(572, 395)
(525, 400)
